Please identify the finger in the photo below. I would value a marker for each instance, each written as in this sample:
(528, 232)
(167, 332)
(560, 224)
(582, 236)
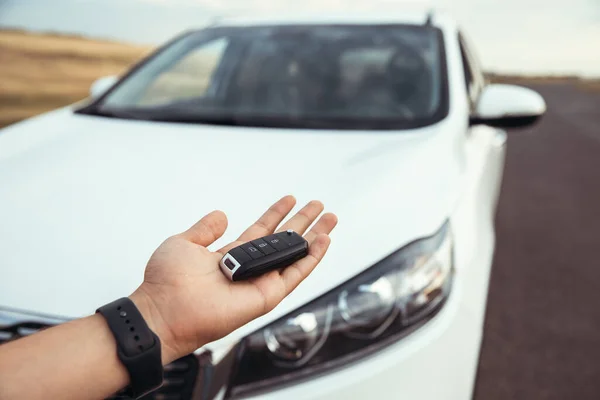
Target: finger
(297, 272)
(208, 229)
(266, 224)
(302, 220)
(325, 225)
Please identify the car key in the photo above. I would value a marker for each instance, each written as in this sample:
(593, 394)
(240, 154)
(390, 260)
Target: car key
(262, 255)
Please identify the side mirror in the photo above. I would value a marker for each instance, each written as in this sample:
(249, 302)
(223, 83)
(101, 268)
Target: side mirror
(101, 85)
(508, 106)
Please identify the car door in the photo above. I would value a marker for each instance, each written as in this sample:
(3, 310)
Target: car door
(484, 144)
(484, 149)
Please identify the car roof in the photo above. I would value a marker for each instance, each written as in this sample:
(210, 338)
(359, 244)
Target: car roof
(410, 16)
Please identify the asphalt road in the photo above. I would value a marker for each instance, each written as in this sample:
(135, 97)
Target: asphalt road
(542, 330)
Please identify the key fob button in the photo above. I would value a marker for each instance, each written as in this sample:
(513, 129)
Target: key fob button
(252, 251)
(263, 247)
(290, 237)
(240, 255)
(276, 242)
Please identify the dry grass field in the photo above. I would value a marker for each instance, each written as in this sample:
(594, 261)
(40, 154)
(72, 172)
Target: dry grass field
(41, 72)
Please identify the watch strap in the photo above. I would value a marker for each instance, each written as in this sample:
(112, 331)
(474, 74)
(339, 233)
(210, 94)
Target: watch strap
(138, 347)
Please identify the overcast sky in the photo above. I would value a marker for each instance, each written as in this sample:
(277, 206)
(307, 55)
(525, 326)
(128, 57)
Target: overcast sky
(559, 36)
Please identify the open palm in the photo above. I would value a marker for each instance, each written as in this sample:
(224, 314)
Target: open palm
(193, 303)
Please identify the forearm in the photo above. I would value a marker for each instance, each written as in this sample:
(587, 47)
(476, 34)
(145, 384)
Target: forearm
(76, 360)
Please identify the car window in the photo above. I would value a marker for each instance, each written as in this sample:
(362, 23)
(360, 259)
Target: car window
(474, 78)
(476, 69)
(466, 68)
(357, 64)
(189, 77)
(322, 76)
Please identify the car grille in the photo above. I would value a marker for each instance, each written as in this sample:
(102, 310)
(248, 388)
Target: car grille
(178, 382)
(16, 331)
(179, 377)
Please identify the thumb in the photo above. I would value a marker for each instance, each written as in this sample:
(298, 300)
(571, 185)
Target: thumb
(208, 229)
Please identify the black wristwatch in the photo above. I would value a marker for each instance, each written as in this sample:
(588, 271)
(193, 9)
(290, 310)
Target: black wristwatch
(138, 347)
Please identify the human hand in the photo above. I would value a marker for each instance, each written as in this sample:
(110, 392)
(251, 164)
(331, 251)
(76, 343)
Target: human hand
(188, 302)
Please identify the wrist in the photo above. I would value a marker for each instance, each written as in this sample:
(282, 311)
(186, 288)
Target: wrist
(157, 324)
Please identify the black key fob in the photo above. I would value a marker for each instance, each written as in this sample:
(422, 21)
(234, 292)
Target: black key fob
(263, 255)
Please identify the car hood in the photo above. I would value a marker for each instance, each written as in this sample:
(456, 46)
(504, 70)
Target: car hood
(85, 200)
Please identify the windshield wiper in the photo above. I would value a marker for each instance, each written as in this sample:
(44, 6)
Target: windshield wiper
(228, 120)
(116, 113)
(248, 121)
(258, 121)
(163, 116)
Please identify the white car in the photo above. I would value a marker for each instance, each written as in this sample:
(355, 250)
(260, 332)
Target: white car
(386, 119)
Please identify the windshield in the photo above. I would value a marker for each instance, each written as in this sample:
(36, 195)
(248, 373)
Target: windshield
(334, 77)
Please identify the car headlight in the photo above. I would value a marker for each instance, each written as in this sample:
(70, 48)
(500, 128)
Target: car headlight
(379, 306)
